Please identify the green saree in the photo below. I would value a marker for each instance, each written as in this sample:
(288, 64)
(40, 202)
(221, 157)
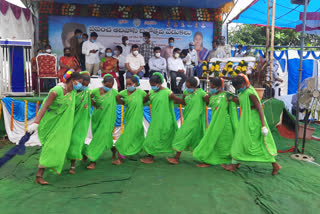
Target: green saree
(103, 120)
(163, 123)
(193, 127)
(132, 138)
(55, 130)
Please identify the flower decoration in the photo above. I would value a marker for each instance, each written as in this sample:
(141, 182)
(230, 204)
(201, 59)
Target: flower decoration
(228, 69)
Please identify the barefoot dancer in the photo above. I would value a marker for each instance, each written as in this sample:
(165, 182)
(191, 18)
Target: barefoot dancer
(253, 140)
(103, 120)
(163, 123)
(54, 123)
(81, 121)
(193, 127)
(215, 146)
(132, 138)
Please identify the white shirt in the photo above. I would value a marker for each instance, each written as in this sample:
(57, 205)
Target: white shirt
(125, 50)
(121, 60)
(194, 56)
(135, 61)
(187, 60)
(92, 58)
(175, 64)
(157, 64)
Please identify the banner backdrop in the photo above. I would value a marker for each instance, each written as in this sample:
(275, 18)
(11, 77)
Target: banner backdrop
(110, 31)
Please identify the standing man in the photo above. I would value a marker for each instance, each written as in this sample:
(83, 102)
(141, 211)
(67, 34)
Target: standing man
(91, 49)
(135, 62)
(75, 44)
(176, 69)
(82, 56)
(146, 50)
(121, 64)
(225, 47)
(167, 51)
(157, 63)
(193, 54)
(125, 46)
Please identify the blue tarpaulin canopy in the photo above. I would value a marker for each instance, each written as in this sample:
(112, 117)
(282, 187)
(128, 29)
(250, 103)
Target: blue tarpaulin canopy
(286, 16)
(168, 3)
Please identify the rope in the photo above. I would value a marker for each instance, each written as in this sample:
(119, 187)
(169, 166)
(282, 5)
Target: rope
(181, 115)
(207, 118)
(150, 111)
(37, 109)
(121, 126)
(12, 111)
(25, 116)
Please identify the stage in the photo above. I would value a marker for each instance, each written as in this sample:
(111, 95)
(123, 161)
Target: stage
(136, 188)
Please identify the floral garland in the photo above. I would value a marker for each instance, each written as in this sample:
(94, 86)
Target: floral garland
(242, 67)
(48, 8)
(228, 69)
(214, 69)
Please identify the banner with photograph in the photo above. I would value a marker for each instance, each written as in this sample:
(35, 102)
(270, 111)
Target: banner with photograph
(110, 31)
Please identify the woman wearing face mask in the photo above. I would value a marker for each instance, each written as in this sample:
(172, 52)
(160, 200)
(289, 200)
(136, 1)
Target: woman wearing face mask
(193, 126)
(163, 123)
(54, 124)
(81, 121)
(215, 146)
(109, 65)
(67, 62)
(252, 141)
(131, 140)
(103, 119)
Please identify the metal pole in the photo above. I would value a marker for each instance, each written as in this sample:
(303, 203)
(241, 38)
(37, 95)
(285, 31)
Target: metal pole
(300, 72)
(272, 44)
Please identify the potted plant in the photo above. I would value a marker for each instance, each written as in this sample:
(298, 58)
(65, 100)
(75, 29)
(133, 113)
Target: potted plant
(257, 77)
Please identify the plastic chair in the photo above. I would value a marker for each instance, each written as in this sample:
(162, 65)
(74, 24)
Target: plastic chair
(46, 68)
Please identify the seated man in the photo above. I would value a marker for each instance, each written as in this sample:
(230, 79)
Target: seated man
(176, 69)
(157, 63)
(216, 52)
(67, 62)
(135, 62)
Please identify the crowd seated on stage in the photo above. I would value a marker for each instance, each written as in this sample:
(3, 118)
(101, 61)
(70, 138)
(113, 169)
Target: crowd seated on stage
(143, 60)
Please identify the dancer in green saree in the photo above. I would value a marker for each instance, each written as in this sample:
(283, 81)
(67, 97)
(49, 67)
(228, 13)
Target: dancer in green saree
(163, 123)
(103, 120)
(193, 127)
(81, 121)
(215, 146)
(54, 124)
(131, 140)
(253, 141)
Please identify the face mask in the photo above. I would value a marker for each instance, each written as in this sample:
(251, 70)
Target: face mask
(84, 88)
(242, 89)
(213, 91)
(171, 44)
(144, 39)
(126, 42)
(158, 55)
(93, 41)
(131, 88)
(48, 50)
(68, 55)
(214, 49)
(190, 90)
(176, 55)
(79, 37)
(109, 54)
(191, 47)
(135, 53)
(77, 87)
(106, 89)
(115, 52)
(155, 88)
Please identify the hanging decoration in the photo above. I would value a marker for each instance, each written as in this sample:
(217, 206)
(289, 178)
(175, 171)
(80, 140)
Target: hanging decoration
(51, 8)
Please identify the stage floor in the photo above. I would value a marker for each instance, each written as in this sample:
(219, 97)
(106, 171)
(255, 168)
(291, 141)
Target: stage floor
(135, 188)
